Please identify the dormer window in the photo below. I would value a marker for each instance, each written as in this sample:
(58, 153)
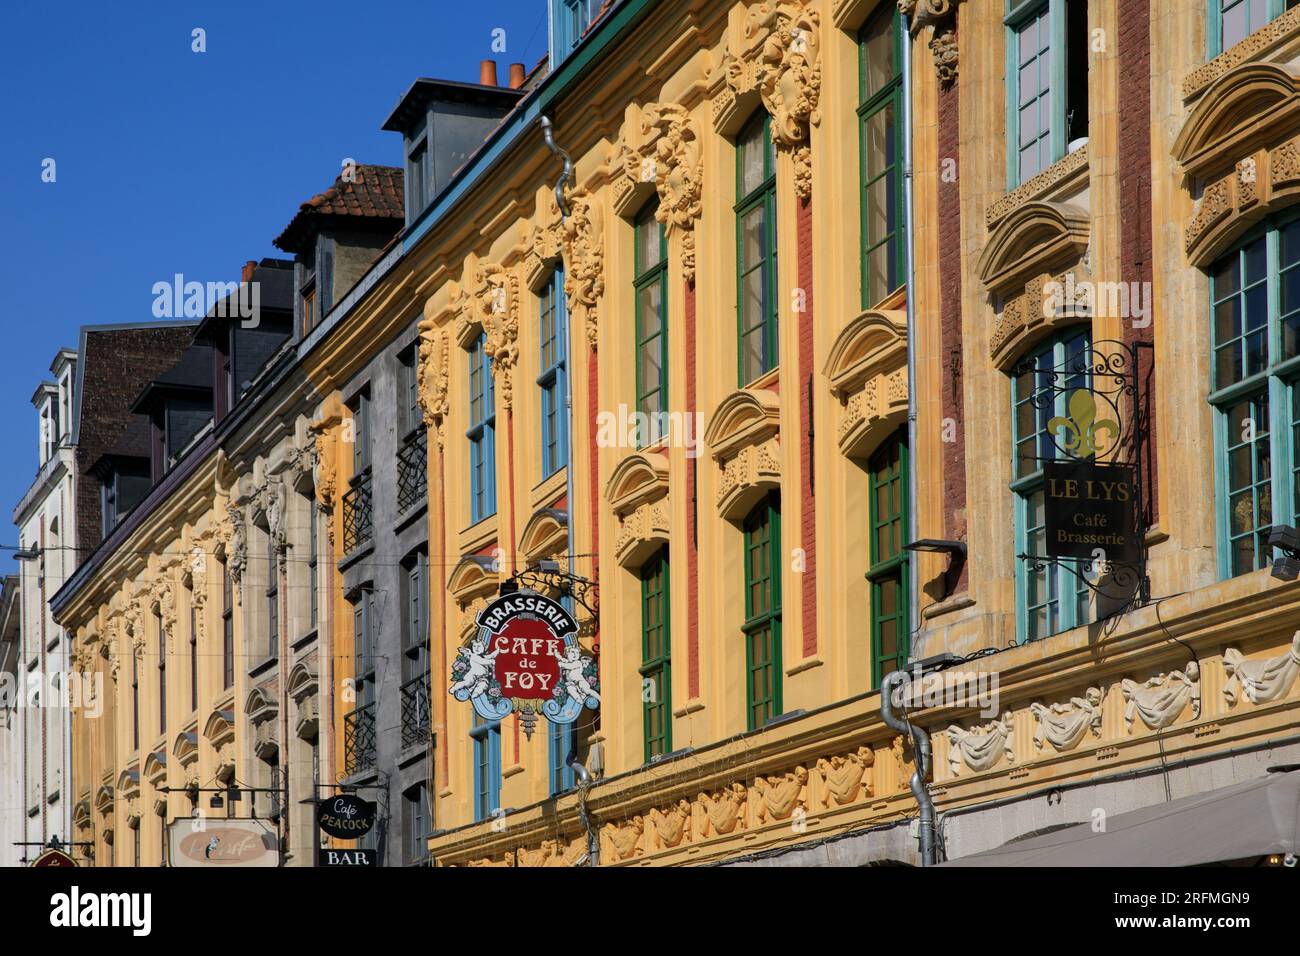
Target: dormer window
(571, 19)
(417, 178)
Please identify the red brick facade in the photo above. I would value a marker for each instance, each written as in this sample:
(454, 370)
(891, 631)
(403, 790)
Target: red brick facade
(807, 513)
(950, 311)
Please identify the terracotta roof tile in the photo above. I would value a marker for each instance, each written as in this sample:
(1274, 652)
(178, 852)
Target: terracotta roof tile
(375, 192)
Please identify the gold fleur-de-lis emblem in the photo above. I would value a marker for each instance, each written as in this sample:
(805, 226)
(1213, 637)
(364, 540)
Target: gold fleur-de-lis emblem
(1078, 431)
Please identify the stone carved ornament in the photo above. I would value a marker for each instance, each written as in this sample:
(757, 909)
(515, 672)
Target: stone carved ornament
(1162, 698)
(980, 746)
(942, 15)
(780, 59)
(843, 775)
(433, 377)
(1064, 724)
(724, 809)
(580, 241)
(669, 156)
(1264, 680)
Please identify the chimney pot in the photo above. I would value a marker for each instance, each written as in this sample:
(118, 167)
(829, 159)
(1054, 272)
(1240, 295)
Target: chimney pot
(249, 266)
(487, 72)
(516, 75)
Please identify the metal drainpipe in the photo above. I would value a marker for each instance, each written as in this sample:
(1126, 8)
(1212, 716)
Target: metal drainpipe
(913, 572)
(585, 779)
(921, 746)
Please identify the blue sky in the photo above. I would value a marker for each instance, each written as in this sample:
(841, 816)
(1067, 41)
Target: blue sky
(168, 160)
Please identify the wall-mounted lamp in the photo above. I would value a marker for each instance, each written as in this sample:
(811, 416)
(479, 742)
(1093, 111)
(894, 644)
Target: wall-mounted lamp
(1287, 539)
(956, 551)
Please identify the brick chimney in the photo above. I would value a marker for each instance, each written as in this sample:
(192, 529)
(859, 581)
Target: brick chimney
(249, 266)
(487, 73)
(516, 75)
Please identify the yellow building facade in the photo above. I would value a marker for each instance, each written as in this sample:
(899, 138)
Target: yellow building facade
(732, 253)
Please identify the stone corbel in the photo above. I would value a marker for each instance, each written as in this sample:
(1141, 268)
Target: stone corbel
(579, 241)
(433, 378)
(776, 60)
(941, 17)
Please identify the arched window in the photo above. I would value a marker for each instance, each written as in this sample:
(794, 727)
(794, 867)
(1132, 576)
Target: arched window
(756, 307)
(651, 282)
(1049, 597)
(888, 574)
(763, 611)
(1255, 370)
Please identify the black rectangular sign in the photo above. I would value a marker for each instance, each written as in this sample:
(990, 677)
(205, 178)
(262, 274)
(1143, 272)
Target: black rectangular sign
(327, 857)
(1090, 508)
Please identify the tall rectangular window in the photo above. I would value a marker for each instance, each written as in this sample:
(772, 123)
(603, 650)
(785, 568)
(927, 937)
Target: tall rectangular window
(415, 639)
(880, 117)
(756, 306)
(361, 450)
(417, 820)
(412, 412)
(194, 654)
(1255, 392)
(888, 574)
(763, 611)
(363, 646)
(651, 290)
(313, 563)
(486, 737)
(559, 746)
(481, 433)
(227, 628)
(162, 672)
(1049, 596)
(1047, 77)
(273, 609)
(552, 380)
(656, 657)
(135, 700)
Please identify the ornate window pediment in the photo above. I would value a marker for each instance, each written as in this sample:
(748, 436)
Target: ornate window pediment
(1034, 238)
(303, 687)
(81, 816)
(128, 783)
(155, 767)
(1035, 267)
(546, 536)
(744, 439)
(104, 800)
(186, 747)
(472, 583)
(867, 368)
(262, 710)
(638, 492)
(220, 728)
(1240, 153)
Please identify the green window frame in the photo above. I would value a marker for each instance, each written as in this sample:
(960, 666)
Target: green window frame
(1255, 391)
(656, 656)
(1049, 599)
(1047, 83)
(650, 288)
(888, 573)
(486, 738)
(756, 282)
(880, 120)
(762, 626)
(1228, 22)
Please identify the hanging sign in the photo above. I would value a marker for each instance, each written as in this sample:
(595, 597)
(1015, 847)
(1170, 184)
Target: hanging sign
(53, 858)
(1089, 511)
(346, 859)
(524, 658)
(196, 841)
(346, 817)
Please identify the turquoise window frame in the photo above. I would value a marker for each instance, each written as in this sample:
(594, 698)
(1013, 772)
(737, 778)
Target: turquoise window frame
(482, 433)
(1018, 15)
(486, 735)
(559, 741)
(1058, 579)
(553, 379)
(889, 95)
(763, 196)
(1214, 21)
(1277, 382)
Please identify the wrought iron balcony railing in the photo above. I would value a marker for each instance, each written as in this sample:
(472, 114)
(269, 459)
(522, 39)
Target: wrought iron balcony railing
(359, 740)
(358, 515)
(417, 716)
(412, 471)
